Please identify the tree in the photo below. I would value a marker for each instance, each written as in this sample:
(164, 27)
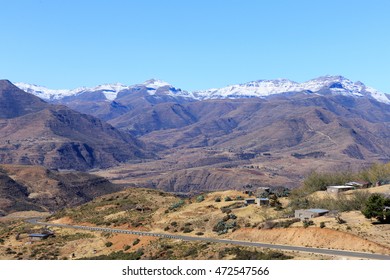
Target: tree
(376, 173)
(375, 208)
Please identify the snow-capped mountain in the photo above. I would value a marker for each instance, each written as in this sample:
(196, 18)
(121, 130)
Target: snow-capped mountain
(46, 93)
(261, 88)
(154, 86)
(321, 85)
(110, 91)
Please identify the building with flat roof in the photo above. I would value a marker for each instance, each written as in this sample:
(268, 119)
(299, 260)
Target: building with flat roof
(304, 214)
(250, 201)
(338, 189)
(39, 236)
(263, 201)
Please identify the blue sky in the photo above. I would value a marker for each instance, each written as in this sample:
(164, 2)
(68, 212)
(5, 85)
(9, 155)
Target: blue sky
(193, 44)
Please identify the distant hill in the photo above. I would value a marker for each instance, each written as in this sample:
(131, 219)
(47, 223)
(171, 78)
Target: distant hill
(37, 188)
(35, 132)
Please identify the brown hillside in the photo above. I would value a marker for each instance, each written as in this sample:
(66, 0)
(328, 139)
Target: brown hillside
(34, 132)
(37, 188)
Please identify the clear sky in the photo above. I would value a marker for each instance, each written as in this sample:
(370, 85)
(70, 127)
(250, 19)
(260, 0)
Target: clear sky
(193, 44)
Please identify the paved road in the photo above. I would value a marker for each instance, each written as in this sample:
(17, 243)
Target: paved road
(342, 253)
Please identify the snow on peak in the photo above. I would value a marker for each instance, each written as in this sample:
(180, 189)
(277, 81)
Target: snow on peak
(154, 83)
(110, 91)
(155, 86)
(46, 93)
(260, 88)
(263, 88)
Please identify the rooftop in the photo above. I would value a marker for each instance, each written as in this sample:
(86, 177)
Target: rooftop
(39, 234)
(340, 187)
(358, 183)
(317, 210)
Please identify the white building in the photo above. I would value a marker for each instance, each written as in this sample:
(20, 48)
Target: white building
(338, 189)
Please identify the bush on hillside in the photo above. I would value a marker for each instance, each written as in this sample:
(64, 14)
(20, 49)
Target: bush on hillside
(375, 208)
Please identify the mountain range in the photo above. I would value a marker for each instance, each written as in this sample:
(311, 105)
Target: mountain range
(204, 139)
(261, 88)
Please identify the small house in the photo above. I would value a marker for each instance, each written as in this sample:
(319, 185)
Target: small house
(250, 201)
(40, 236)
(304, 214)
(338, 189)
(263, 201)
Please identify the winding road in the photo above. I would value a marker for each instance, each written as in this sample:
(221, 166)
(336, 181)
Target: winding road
(341, 253)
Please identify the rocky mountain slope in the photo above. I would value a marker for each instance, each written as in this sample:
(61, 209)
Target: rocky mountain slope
(37, 188)
(206, 140)
(35, 132)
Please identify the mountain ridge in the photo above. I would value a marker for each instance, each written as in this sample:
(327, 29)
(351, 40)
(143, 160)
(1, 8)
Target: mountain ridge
(33, 131)
(338, 85)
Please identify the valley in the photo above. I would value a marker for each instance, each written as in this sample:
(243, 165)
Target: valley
(154, 158)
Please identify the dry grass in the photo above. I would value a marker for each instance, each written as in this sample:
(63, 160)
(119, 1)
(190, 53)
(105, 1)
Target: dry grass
(358, 233)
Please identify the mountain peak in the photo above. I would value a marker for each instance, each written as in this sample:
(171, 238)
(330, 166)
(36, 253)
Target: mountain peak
(6, 84)
(155, 83)
(331, 78)
(14, 102)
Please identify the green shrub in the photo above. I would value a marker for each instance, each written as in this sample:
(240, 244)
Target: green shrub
(176, 205)
(232, 216)
(108, 244)
(187, 229)
(200, 198)
(307, 223)
(245, 254)
(218, 199)
(375, 208)
(376, 173)
(135, 242)
(228, 198)
(119, 255)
